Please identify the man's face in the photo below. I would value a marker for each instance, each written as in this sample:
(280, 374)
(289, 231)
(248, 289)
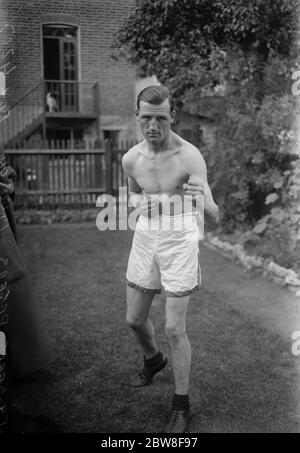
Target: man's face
(155, 121)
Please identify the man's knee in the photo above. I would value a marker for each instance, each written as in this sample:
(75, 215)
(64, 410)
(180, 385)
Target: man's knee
(175, 332)
(134, 322)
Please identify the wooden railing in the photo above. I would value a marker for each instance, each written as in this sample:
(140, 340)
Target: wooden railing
(48, 98)
(21, 116)
(52, 178)
(71, 96)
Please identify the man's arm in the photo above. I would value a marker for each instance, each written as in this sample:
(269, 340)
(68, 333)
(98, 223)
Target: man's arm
(137, 199)
(136, 195)
(198, 183)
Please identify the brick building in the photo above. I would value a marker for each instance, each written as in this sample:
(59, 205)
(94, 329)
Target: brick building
(64, 86)
(62, 82)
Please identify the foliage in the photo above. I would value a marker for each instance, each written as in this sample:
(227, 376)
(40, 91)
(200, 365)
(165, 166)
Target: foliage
(241, 51)
(177, 39)
(251, 161)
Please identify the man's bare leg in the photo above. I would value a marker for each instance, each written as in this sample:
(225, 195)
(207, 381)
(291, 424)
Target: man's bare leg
(138, 309)
(180, 349)
(180, 352)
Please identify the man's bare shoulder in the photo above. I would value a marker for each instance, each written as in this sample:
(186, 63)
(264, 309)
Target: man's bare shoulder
(190, 154)
(130, 158)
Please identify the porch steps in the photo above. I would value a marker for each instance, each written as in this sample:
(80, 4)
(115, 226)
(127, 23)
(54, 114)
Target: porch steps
(27, 128)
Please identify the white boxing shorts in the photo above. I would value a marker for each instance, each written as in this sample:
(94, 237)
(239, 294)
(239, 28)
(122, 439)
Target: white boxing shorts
(165, 254)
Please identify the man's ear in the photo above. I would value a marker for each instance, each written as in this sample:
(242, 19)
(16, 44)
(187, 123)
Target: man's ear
(173, 114)
(136, 112)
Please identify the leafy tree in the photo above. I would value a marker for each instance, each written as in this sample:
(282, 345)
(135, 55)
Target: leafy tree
(244, 52)
(183, 41)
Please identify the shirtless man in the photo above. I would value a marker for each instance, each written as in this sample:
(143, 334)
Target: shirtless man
(161, 166)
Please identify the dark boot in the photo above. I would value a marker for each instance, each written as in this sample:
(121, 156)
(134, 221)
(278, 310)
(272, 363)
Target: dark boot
(145, 377)
(179, 421)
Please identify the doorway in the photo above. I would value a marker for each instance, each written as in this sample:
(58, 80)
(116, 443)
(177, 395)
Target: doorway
(60, 62)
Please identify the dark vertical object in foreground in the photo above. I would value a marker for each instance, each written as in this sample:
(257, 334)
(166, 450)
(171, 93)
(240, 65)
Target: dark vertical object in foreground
(4, 293)
(5, 172)
(28, 346)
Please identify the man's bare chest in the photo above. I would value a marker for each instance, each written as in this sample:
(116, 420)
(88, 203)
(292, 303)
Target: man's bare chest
(160, 175)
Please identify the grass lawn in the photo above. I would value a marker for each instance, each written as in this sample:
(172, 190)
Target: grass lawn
(242, 377)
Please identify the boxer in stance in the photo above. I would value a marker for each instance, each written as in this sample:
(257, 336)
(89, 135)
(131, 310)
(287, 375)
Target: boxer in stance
(163, 172)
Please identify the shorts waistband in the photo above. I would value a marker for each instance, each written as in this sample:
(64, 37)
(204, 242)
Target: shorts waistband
(175, 222)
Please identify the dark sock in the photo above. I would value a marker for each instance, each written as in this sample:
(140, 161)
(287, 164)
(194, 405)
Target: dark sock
(154, 361)
(180, 402)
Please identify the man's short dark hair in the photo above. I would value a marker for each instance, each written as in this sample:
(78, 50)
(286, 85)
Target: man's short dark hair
(155, 94)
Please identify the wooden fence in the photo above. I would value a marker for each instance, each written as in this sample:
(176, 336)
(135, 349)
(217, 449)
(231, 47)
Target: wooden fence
(53, 178)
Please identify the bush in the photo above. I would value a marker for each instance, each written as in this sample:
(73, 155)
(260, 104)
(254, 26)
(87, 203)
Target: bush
(244, 52)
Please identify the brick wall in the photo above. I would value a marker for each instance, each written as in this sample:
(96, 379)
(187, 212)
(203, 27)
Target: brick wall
(98, 21)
